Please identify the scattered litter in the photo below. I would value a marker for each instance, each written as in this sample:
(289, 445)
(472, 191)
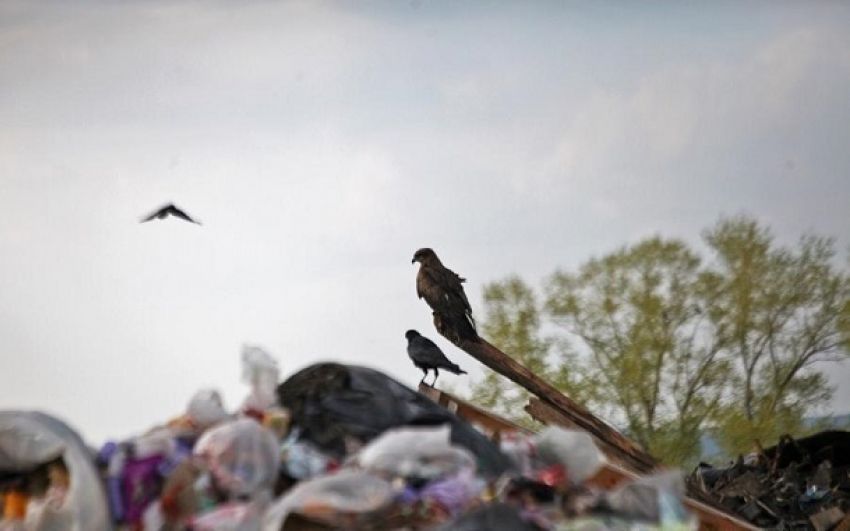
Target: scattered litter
(346, 447)
(798, 484)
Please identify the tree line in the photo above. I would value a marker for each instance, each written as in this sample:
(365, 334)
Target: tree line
(669, 343)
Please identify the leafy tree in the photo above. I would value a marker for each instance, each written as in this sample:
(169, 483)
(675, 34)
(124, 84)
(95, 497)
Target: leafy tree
(779, 312)
(668, 347)
(512, 323)
(650, 353)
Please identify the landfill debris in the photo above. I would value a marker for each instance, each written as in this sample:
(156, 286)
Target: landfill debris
(332, 447)
(799, 484)
(341, 407)
(48, 476)
(495, 516)
(261, 372)
(347, 499)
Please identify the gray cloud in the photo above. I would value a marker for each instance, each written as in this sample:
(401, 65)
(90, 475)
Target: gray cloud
(321, 143)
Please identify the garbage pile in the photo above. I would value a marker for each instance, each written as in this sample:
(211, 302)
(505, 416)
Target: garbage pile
(332, 447)
(799, 484)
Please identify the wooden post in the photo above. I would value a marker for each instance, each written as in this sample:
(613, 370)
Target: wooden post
(545, 414)
(610, 440)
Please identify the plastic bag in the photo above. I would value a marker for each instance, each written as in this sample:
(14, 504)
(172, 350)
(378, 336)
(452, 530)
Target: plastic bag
(415, 452)
(206, 408)
(335, 499)
(229, 517)
(302, 460)
(655, 499)
(453, 494)
(496, 516)
(153, 518)
(576, 450)
(44, 514)
(519, 447)
(241, 455)
(85, 497)
(334, 404)
(135, 473)
(24, 444)
(261, 372)
(611, 523)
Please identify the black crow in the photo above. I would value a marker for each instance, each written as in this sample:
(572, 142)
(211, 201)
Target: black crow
(169, 210)
(428, 356)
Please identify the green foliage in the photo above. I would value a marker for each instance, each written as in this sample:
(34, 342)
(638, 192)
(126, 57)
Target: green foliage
(512, 323)
(778, 311)
(670, 345)
(636, 314)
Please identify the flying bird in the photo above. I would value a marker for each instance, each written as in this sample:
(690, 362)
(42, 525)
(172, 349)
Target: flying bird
(169, 210)
(442, 289)
(428, 356)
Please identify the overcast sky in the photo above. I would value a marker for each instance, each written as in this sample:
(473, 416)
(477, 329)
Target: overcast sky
(322, 143)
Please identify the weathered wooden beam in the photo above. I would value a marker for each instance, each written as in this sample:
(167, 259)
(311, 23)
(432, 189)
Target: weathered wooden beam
(546, 414)
(610, 440)
(494, 424)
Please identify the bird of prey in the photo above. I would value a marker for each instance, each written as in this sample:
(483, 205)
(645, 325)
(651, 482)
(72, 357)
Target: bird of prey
(169, 210)
(428, 356)
(442, 289)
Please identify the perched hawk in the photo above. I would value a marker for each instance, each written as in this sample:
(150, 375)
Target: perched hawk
(442, 289)
(169, 210)
(428, 356)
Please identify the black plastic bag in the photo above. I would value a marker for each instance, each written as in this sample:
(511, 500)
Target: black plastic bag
(331, 403)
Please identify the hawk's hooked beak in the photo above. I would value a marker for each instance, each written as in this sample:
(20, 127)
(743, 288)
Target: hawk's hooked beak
(413, 261)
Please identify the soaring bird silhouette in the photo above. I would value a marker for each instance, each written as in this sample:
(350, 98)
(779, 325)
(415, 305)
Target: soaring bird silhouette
(442, 289)
(169, 210)
(428, 356)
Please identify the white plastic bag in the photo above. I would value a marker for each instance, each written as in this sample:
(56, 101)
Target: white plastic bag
(422, 452)
(261, 372)
(44, 514)
(301, 459)
(336, 499)
(242, 456)
(153, 519)
(206, 408)
(519, 447)
(576, 450)
(25, 444)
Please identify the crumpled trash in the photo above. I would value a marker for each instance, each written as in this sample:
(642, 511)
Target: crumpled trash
(302, 460)
(230, 517)
(415, 452)
(241, 455)
(135, 473)
(519, 447)
(452, 495)
(655, 499)
(575, 450)
(494, 516)
(794, 484)
(206, 408)
(85, 500)
(50, 512)
(25, 444)
(342, 499)
(262, 373)
(334, 403)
